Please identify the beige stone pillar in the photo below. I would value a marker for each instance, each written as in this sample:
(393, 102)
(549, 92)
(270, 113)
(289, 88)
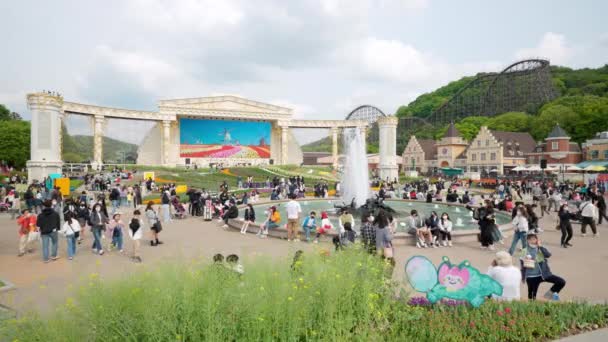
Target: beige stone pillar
(45, 137)
(99, 121)
(334, 146)
(284, 145)
(166, 142)
(388, 147)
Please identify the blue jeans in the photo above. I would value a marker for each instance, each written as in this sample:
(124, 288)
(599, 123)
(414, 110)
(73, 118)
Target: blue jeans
(71, 241)
(115, 204)
(117, 240)
(97, 236)
(307, 230)
(516, 237)
(46, 240)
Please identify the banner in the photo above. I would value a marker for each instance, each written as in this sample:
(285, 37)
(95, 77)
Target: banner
(148, 175)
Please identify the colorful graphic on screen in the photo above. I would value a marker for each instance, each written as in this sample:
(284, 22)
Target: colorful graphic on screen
(224, 139)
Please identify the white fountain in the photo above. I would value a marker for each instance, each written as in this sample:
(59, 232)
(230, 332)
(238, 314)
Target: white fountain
(459, 222)
(355, 179)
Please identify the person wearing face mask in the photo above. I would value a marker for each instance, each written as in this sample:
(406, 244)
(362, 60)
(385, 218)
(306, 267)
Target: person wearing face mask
(445, 229)
(565, 225)
(309, 225)
(432, 223)
(520, 227)
(82, 215)
(98, 226)
(368, 233)
(534, 260)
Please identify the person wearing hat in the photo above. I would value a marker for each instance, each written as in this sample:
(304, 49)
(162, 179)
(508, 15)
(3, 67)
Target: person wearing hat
(507, 275)
(534, 260)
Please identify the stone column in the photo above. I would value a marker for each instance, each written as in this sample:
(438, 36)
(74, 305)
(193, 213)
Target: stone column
(98, 125)
(284, 145)
(45, 141)
(166, 142)
(334, 147)
(388, 147)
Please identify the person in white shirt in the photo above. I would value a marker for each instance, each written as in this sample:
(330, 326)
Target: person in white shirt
(507, 275)
(293, 219)
(445, 229)
(71, 230)
(590, 214)
(520, 227)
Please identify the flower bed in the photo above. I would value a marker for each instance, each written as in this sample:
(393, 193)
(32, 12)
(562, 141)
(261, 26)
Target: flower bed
(321, 297)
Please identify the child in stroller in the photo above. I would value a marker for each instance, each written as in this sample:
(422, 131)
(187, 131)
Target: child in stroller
(178, 207)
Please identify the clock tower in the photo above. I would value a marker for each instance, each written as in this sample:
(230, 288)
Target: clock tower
(450, 147)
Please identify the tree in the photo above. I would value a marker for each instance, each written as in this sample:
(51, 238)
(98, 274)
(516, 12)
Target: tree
(5, 114)
(15, 142)
(549, 117)
(510, 122)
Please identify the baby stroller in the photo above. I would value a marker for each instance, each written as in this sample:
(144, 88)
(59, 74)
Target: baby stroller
(178, 207)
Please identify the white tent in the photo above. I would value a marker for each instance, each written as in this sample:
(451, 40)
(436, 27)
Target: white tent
(534, 168)
(519, 168)
(574, 168)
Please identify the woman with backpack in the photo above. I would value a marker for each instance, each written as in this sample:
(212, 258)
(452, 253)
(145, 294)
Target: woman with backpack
(155, 226)
(248, 218)
(98, 226)
(71, 231)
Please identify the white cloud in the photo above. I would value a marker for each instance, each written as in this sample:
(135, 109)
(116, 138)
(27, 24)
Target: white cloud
(552, 46)
(188, 16)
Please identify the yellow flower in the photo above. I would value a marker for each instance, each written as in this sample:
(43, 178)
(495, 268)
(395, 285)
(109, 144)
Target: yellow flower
(289, 299)
(261, 319)
(301, 280)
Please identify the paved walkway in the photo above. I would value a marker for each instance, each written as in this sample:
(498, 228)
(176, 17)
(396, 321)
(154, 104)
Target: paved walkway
(594, 336)
(40, 285)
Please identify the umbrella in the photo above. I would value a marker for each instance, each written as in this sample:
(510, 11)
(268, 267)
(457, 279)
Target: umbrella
(595, 168)
(534, 168)
(574, 168)
(519, 168)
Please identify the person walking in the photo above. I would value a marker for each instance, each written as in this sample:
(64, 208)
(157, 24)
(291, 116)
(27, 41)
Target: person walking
(27, 226)
(565, 225)
(115, 232)
(384, 238)
(601, 207)
(98, 226)
(535, 270)
(293, 219)
(520, 229)
(136, 233)
(589, 215)
(71, 231)
(165, 200)
(368, 233)
(155, 226)
(49, 223)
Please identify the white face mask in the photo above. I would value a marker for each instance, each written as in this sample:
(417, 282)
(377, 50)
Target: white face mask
(97, 209)
(445, 217)
(370, 219)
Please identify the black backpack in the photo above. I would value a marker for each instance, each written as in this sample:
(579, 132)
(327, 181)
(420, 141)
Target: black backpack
(114, 194)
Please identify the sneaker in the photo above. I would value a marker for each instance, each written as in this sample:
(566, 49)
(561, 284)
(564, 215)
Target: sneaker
(568, 244)
(54, 258)
(288, 240)
(450, 243)
(316, 241)
(484, 247)
(584, 234)
(47, 261)
(423, 245)
(101, 252)
(540, 230)
(70, 258)
(434, 245)
(555, 296)
(445, 243)
(548, 295)
(596, 235)
(20, 254)
(492, 248)
(418, 245)
(159, 242)
(564, 246)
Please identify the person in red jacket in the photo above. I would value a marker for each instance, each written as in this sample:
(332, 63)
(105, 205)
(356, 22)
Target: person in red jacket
(27, 224)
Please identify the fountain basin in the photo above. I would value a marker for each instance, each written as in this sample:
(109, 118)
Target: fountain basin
(465, 229)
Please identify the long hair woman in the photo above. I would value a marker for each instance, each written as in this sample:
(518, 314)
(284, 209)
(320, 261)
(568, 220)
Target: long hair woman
(565, 225)
(384, 238)
(98, 226)
(154, 222)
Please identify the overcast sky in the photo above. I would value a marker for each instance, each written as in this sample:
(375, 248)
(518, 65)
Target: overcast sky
(320, 57)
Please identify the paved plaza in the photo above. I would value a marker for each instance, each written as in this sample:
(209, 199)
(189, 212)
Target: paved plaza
(41, 285)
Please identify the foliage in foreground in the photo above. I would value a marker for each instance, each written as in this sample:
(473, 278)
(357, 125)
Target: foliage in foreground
(337, 298)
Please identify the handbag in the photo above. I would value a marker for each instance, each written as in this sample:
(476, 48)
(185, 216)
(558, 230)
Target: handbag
(388, 252)
(33, 236)
(529, 263)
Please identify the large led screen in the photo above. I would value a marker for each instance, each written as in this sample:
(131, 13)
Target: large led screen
(224, 139)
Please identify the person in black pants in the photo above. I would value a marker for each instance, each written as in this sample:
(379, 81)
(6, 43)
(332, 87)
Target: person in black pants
(486, 226)
(601, 207)
(535, 269)
(565, 225)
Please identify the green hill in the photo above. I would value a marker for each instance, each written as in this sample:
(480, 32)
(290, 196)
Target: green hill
(79, 148)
